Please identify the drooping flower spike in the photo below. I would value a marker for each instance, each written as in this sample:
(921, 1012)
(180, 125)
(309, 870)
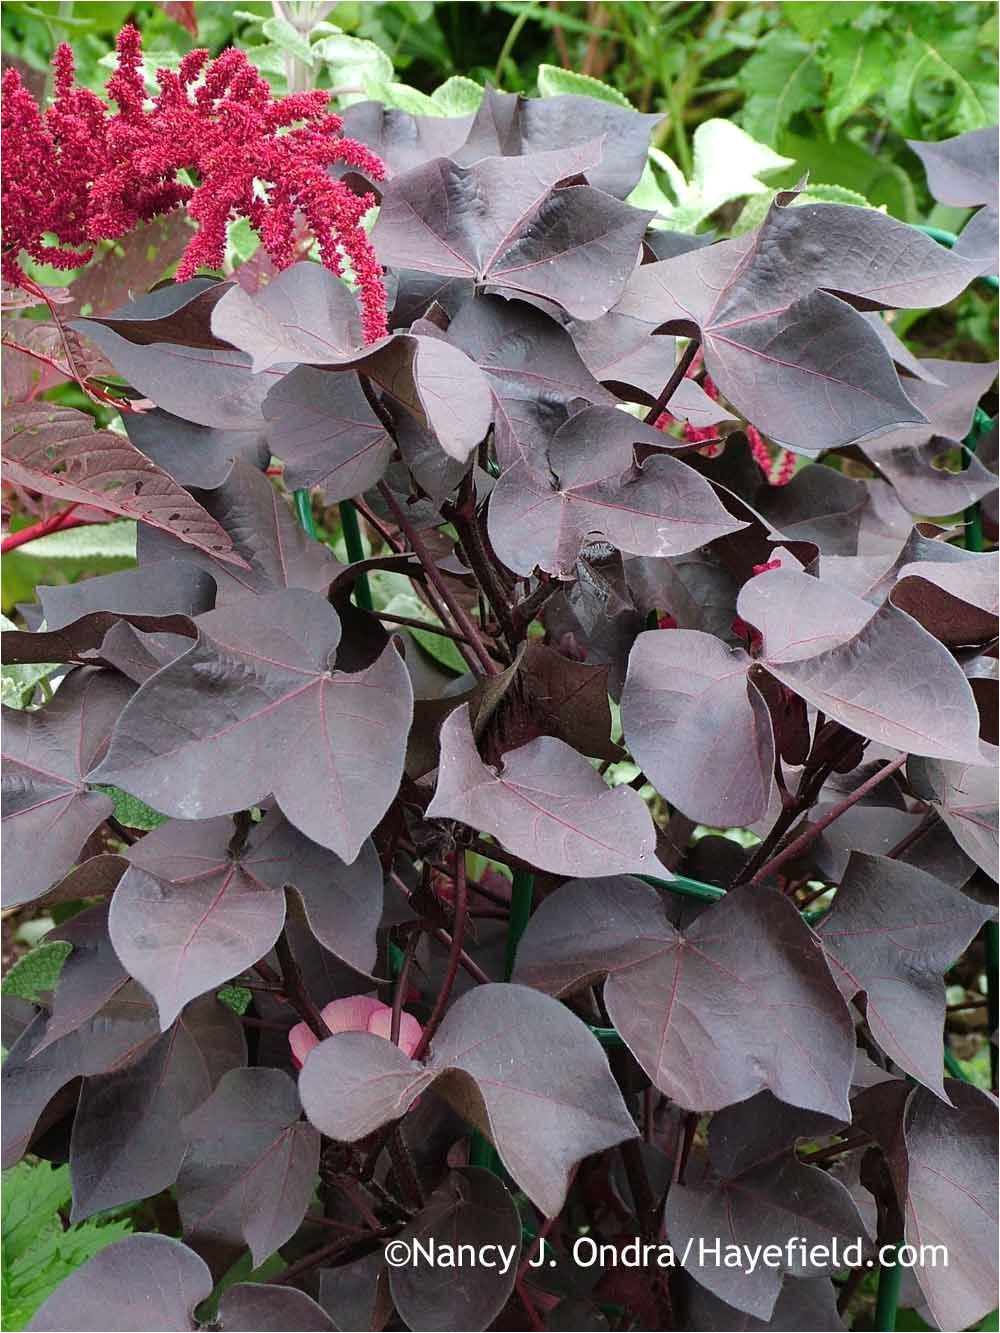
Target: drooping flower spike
(81, 173)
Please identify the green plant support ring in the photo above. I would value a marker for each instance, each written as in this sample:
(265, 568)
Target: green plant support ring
(352, 540)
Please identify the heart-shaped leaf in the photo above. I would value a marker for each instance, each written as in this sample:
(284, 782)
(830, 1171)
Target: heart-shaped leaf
(501, 222)
(278, 1309)
(533, 369)
(740, 1000)
(504, 1056)
(194, 455)
(908, 458)
(193, 910)
(547, 805)
(323, 429)
(754, 1200)
(271, 657)
(92, 973)
(966, 799)
(127, 1142)
(780, 340)
(120, 1031)
(250, 1166)
(877, 672)
(476, 1207)
(943, 1161)
(593, 489)
(698, 726)
(49, 810)
(143, 1284)
(892, 934)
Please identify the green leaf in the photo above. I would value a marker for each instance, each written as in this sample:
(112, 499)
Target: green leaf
(353, 63)
(241, 1271)
(727, 163)
(100, 542)
(950, 59)
(236, 998)
(242, 242)
(442, 650)
(36, 972)
(92, 548)
(878, 179)
(755, 210)
(781, 78)
(812, 20)
(402, 97)
(132, 812)
(458, 96)
(288, 39)
(37, 1253)
(19, 682)
(858, 65)
(553, 82)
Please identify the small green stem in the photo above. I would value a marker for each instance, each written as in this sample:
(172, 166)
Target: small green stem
(992, 991)
(521, 897)
(953, 1066)
(355, 552)
(303, 508)
(887, 1301)
(352, 540)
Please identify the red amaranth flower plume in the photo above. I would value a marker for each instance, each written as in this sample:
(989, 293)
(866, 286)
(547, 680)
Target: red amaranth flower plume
(778, 471)
(82, 173)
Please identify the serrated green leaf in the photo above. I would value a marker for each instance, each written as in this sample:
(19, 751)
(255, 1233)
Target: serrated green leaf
(288, 39)
(37, 1253)
(780, 78)
(857, 64)
(458, 96)
(755, 210)
(950, 59)
(36, 972)
(236, 998)
(553, 82)
(132, 812)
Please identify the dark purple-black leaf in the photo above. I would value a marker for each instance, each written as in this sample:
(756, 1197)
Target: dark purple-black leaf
(592, 489)
(471, 1207)
(547, 805)
(890, 937)
(250, 1166)
(190, 913)
(142, 1284)
(505, 1057)
(49, 810)
(328, 744)
(739, 1001)
(127, 1142)
(275, 551)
